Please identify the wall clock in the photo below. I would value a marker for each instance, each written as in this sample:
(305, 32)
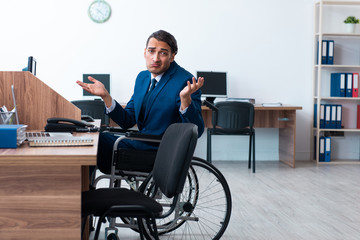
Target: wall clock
(99, 11)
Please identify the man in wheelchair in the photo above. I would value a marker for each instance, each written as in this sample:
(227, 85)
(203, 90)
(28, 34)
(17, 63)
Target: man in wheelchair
(165, 93)
(204, 205)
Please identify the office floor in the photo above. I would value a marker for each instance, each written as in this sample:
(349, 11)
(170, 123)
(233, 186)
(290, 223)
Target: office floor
(278, 202)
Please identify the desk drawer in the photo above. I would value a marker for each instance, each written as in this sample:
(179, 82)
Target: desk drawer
(274, 119)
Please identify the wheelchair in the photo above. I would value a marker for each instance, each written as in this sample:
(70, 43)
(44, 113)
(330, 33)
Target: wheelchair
(201, 212)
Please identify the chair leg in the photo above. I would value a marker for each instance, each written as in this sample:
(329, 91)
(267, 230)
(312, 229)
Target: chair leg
(250, 142)
(141, 229)
(83, 226)
(253, 138)
(208, 150)
(97, 232)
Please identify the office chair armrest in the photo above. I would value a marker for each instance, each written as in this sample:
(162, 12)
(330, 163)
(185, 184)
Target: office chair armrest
(210, 105)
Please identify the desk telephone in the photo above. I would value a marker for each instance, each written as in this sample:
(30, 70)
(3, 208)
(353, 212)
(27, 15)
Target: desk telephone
(69, 125)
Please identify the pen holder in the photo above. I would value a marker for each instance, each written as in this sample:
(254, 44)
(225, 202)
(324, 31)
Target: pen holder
(7, 118)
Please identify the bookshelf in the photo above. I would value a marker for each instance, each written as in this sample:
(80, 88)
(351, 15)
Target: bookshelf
(329, 25)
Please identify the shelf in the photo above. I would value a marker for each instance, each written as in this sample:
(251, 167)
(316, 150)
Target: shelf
(338, 98)
(342, 34)
(349, 3)
(337, 161)
(337, 129)
(337, 66)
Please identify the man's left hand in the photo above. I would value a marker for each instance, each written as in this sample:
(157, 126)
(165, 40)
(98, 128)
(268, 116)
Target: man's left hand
(185, 94)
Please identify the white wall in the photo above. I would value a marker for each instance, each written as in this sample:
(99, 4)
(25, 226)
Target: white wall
(265, 46)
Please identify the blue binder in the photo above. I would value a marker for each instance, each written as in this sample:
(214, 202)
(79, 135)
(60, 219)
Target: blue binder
(322, 149)
(348, 84)
(338, 116)
(327, 157)
(322, 115)
(324, 51)
(338, 83)
(327, 116)
(330, 52)
(315, 115)
(333, 117)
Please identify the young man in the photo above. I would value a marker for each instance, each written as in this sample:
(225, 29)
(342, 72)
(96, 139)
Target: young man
(174, 97)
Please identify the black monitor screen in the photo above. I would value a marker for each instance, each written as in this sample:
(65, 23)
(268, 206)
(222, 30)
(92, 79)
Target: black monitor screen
(31, 66)
(214, 84)
(104, 78)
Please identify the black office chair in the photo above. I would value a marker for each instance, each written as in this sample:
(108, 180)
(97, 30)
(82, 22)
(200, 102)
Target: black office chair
(232, 118)
(93, 108)
(169, 174)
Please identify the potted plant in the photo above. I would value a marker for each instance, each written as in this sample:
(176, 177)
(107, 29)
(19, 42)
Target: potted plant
(350, 22)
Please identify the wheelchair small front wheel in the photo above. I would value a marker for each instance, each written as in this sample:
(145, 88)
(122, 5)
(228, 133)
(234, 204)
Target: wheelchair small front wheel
(112, 236)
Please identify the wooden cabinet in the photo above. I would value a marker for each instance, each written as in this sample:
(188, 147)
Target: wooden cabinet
(329, 25)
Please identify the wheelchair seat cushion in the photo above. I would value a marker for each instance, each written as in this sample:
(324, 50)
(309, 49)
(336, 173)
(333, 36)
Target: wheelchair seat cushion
(135, 160)
(98, 201)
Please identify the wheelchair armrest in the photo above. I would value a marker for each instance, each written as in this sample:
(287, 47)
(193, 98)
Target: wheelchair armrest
(115, 129)
(210, 105)
(137, 135)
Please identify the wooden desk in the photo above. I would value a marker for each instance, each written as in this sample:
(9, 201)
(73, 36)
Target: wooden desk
(40, 190)
(283, 117)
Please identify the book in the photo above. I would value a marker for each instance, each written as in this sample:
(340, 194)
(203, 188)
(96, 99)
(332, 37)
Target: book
(50, 139)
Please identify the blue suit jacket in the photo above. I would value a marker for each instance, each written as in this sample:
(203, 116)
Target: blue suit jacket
(164, 103)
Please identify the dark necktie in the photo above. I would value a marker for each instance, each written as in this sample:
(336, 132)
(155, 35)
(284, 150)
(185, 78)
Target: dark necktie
(153, 83)
(146, 98)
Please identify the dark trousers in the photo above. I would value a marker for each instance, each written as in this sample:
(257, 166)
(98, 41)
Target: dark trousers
(105, 149)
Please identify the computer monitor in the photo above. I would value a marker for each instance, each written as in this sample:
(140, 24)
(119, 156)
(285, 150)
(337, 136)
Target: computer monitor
(31, 66)
(214, 85)
(104, 78)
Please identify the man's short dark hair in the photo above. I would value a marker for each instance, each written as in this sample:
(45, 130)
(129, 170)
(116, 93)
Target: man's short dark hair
(164, 36)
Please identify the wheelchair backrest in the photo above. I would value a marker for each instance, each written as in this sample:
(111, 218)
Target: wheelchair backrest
(173, 157)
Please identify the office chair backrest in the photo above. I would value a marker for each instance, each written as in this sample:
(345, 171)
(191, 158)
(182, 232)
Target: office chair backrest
(173, 158)
(93, 108)
(234, 115)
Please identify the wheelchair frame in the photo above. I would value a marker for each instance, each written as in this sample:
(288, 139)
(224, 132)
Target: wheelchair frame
(202, 211)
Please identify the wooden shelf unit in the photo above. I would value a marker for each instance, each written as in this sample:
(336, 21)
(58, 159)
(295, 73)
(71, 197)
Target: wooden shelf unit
(323, 30)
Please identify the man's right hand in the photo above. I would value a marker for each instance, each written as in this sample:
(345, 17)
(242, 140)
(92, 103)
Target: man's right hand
(96, 88)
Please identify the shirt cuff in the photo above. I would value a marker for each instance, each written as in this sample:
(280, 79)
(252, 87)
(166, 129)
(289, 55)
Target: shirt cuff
(183, 111)
(111, 108)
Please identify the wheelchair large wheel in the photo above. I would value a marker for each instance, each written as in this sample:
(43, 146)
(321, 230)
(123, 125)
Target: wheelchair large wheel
(204, 208)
